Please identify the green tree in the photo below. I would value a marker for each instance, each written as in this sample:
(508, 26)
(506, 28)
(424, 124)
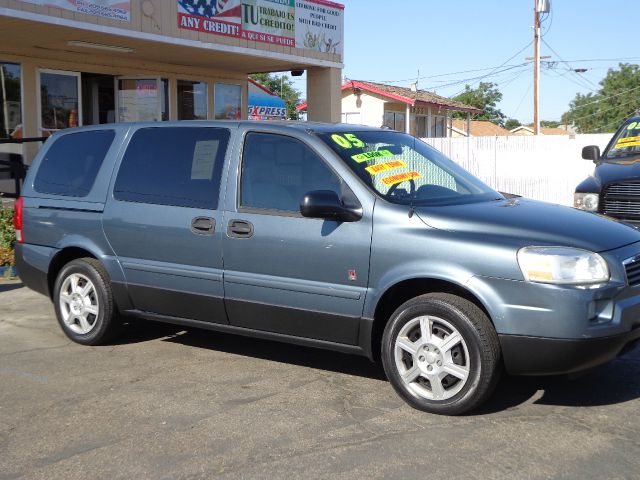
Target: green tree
(486, 97)
(283, 87)
(549, 124)
(604, 110)
(511, 123)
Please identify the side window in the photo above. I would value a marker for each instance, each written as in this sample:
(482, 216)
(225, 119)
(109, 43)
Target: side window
(71, 165)
(277, 171)
(179, 166)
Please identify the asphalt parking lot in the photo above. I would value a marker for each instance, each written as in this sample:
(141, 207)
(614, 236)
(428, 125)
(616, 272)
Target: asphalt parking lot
(166, 402)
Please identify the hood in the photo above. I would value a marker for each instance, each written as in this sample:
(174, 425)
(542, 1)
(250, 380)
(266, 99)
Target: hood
(529, 222)
(616, 171)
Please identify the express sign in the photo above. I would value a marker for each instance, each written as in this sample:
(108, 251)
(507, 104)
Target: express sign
(259, 111)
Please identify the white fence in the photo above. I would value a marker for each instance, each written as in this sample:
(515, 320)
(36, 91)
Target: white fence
(542, 167)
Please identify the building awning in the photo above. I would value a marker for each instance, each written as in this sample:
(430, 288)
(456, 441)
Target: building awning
(263, 104)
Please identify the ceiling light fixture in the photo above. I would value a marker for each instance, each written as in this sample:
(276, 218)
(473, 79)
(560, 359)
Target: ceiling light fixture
(99, 46)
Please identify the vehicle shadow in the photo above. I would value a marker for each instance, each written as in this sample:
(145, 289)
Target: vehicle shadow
(140, 331)
(616, 382)
(612, 383)
(7, 287)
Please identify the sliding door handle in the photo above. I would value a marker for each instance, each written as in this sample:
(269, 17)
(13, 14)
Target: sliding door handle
(240, 229)
(203, 225)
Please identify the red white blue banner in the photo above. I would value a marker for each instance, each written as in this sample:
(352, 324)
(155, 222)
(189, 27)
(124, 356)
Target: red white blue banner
(113, 9)
(307, 24)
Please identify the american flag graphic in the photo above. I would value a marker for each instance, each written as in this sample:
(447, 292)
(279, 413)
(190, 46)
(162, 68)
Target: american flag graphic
(223, 9)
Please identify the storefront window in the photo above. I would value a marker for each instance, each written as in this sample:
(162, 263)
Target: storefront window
(192, 100)
(59, 101)
(138, 100)
(10, 101)
(10, 128)
(228, 102)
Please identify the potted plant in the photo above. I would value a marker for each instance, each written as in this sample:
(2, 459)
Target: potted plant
(7, 240)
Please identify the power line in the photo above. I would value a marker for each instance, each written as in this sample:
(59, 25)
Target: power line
(480, 77)
(635, 101)
(602, 59)
(522, 99)
(564, 75)
(565, 62)
(602, 99)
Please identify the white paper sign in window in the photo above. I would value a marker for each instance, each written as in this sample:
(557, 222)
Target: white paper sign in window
(204, 159)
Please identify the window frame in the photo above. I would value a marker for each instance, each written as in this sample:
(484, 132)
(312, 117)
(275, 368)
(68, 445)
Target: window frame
(159, 79)
(206, 100)
(215, 103)
(273, 211)
(68, 73)
(19, 64)
(221, 189)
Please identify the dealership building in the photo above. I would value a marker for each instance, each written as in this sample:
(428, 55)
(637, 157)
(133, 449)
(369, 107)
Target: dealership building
(66, 63)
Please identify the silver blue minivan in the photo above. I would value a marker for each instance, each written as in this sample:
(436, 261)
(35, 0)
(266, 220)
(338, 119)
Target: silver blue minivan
(350, 238)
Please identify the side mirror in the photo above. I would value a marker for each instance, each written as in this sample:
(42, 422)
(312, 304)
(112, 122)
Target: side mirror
(326, 204)
(591, 152)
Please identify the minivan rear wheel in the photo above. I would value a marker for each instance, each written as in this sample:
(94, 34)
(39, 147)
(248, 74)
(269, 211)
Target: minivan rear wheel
(84, 302)
(441, 354)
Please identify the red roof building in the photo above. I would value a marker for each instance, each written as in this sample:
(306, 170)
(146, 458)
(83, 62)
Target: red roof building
(419, 112)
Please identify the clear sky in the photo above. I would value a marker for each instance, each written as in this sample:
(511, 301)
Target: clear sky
(390, 41)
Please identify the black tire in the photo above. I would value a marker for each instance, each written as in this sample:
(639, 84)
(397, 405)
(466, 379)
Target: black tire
(106, 325)
(482, 348)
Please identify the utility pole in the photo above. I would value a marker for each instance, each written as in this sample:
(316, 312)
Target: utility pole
(540, 6)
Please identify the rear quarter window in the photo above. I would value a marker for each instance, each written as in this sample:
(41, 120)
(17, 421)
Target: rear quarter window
(71, 164)
(178, 166)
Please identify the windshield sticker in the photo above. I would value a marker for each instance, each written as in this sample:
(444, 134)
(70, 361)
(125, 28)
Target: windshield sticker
(399, 178)
(363, 157)
(633, 126)
(627, 142)
(348, 140)
(383, 167)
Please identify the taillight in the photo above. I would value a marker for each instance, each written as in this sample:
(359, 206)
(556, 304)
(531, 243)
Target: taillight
(17, 219)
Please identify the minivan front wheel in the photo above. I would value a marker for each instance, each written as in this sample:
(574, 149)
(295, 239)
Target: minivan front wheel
(84, 302)
(441, 354)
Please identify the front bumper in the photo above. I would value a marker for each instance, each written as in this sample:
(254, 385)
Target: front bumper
(525, 355)
(551, 329)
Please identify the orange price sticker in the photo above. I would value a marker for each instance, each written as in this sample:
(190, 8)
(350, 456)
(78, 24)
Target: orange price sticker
(401, 177)
(386, 166)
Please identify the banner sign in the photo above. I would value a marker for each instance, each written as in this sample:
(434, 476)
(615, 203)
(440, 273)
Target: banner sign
(113, 9)
(257, 112)
(307, 24)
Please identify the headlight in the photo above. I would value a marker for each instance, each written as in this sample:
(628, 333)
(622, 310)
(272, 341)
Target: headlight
(562, 265)
(586, 201)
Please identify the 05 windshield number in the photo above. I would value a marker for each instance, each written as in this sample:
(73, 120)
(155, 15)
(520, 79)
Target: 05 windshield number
(348, 140)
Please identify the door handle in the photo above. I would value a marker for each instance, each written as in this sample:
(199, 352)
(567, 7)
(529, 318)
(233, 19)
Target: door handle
(240, 229)
(203, 225)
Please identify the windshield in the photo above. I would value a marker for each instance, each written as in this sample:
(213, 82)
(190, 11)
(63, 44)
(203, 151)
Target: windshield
(626, 142)
(405, 170)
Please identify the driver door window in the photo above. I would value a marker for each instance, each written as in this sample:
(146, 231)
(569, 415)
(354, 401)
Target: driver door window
(277, 171)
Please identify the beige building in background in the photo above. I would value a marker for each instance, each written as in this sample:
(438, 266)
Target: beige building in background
(418, 112)
(66, 64)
